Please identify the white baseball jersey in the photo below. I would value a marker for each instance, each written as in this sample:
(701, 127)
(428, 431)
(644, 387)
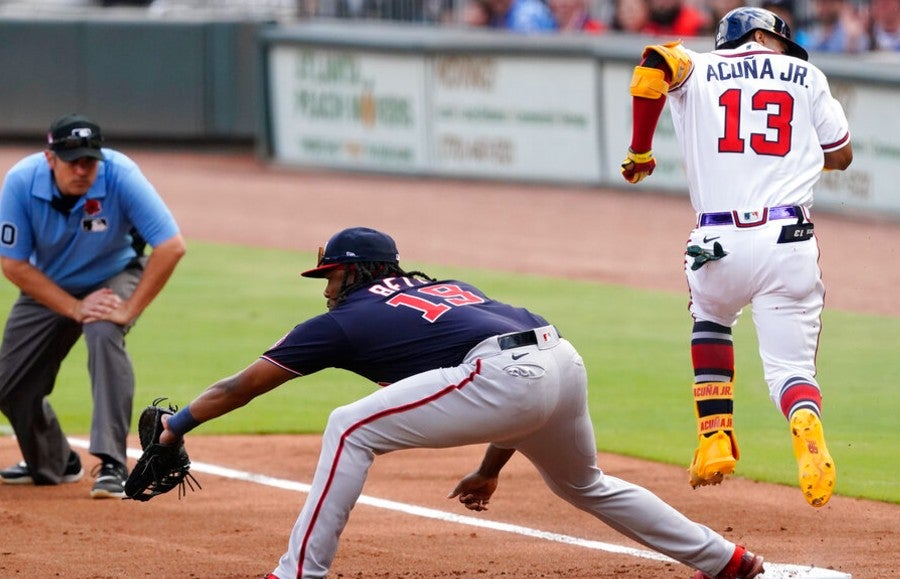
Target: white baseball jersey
(753, 127)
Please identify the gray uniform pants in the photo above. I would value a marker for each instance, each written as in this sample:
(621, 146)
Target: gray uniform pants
(35, 342)
(531, 398)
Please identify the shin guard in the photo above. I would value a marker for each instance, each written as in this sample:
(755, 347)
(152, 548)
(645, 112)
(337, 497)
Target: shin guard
(717, 450)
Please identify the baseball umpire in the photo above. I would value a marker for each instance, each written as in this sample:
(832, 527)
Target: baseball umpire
(757, 124)
(73, 222)
(459, 369)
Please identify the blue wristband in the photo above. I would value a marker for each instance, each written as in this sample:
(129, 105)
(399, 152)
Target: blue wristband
(182, 421)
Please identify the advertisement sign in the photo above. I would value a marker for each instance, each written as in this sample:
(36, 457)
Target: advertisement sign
(346, 108)
(870, 182)
(518, 117)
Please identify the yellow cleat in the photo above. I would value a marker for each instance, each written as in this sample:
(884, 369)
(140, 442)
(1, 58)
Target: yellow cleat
(816, 469)
(714, 459)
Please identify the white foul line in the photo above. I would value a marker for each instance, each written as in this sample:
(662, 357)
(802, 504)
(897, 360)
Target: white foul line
(773, 570)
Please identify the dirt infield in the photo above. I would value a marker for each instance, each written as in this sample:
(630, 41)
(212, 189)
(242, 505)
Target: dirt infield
(237, 529)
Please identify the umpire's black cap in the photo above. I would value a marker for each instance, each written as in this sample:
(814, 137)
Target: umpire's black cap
(354, 245)
(75, 136)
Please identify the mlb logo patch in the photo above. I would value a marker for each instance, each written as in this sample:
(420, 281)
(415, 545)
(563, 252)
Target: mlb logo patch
(82, 132)
(95, 225)
(750, 218)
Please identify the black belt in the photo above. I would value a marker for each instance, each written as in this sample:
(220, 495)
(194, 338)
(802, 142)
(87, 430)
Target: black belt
(135, 263)
(510, 341)
(733, 217)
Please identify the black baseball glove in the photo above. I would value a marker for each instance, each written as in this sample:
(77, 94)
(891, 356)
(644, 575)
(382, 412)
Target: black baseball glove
(162, 467)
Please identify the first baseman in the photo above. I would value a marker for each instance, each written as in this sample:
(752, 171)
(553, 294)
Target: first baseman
(459, 368)
(757, 125)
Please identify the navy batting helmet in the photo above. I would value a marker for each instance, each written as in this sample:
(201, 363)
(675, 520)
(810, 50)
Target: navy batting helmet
(354, 245)
(740, 22)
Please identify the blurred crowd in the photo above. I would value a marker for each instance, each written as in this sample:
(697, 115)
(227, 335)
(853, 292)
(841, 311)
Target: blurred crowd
(836, 26)
(843, 26)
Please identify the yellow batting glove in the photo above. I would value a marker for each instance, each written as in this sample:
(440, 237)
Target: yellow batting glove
(637, 165)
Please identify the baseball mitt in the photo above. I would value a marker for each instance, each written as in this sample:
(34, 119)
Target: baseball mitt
(162, 467)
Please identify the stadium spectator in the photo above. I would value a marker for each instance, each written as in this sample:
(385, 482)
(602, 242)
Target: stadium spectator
(476, 14)
(675, 18)
(788, 12)
(717, 9)
(630, 16)
(836, 27)
(574, 16)
(523, 16)
(885, 25)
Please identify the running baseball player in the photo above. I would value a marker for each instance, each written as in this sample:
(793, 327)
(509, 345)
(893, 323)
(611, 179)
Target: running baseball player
(459, 369)
(757, 125)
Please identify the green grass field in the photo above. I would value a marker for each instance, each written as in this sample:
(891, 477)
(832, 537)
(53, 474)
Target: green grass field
(225, 305)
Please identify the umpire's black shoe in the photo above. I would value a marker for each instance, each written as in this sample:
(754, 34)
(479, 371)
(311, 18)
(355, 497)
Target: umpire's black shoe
(20, 475)
(110, 482)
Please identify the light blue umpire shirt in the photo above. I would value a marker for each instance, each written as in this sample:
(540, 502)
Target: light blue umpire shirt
(93, 242)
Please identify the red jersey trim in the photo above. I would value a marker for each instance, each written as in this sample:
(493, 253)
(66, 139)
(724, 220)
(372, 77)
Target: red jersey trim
(837, 144)
(282, 366)
(749, 53)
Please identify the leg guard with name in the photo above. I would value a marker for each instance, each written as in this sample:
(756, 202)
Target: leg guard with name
(717, 450)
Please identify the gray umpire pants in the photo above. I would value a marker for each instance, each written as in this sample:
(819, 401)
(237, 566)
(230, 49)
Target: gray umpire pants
(35, 342)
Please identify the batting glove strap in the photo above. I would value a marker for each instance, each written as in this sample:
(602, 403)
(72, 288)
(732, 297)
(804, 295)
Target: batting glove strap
(639, 158)
(637, 166)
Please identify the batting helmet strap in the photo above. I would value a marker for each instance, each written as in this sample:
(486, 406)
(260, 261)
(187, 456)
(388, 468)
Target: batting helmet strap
(740, 22)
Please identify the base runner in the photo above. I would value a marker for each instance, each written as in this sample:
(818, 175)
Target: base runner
(757, 126)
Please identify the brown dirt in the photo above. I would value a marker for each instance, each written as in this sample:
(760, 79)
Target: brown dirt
(238, 529)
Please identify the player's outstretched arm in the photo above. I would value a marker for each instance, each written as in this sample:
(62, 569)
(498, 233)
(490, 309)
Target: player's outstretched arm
(224, 396)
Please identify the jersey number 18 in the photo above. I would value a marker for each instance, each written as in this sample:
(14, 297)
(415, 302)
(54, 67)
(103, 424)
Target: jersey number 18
(450, 295)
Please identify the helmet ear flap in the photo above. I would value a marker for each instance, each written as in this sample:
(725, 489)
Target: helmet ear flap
(736, 26)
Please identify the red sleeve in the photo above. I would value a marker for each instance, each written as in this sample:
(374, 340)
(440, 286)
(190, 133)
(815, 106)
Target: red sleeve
(646, 112)
(645, 115)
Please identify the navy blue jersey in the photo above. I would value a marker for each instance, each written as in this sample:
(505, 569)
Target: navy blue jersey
(398, 327)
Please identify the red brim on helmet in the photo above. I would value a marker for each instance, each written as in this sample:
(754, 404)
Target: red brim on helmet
(320, 271)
